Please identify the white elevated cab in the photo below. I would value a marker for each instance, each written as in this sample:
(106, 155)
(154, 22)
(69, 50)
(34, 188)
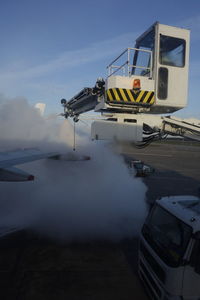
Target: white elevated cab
(157, 65)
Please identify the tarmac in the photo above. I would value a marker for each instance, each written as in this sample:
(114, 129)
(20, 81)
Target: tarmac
(177, 168)
(33, 267)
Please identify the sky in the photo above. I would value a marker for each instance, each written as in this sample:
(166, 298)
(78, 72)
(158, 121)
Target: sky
(51, 49)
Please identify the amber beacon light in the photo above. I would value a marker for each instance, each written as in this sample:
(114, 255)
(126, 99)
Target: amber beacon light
(136, 84)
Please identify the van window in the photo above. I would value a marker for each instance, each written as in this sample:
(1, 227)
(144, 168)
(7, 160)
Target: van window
(167, 235)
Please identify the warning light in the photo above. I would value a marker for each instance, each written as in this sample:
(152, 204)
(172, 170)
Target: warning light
(136, 84)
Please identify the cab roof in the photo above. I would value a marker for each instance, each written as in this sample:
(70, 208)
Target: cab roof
(185, 207)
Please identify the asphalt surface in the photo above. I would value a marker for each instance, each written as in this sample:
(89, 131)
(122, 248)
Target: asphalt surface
(33, 267)
(177, 168)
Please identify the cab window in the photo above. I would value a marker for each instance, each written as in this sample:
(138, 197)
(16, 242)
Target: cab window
(142, 57)
(172, 51)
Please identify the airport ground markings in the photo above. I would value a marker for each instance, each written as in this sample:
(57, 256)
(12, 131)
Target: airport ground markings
(149, 154)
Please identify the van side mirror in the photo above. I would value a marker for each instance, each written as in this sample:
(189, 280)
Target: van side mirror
(197, 235)
(195, 256)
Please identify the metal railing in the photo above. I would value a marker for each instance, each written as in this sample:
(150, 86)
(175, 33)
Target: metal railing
(126, 67)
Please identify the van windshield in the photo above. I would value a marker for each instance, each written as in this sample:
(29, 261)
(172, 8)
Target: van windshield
(167, 235)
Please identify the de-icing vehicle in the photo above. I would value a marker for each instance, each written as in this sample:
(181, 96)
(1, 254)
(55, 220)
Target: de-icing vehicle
(143, 83)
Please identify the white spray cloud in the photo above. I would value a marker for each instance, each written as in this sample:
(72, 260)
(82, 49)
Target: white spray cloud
(69, 200)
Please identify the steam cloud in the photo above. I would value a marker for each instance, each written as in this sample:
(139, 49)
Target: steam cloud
(68, 200)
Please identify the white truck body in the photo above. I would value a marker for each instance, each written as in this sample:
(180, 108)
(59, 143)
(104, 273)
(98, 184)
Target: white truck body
(169, 253)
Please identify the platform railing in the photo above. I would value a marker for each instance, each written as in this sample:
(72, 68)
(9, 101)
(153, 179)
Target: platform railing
(126, 66)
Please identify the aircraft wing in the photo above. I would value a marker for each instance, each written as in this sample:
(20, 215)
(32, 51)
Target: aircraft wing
(11, 158)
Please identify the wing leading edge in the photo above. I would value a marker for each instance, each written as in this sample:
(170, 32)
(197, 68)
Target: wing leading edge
(11, 158)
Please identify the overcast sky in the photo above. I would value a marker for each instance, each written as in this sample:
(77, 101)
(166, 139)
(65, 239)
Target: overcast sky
(50, 49)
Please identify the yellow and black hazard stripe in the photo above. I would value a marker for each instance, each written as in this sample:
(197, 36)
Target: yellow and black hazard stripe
(117, 95)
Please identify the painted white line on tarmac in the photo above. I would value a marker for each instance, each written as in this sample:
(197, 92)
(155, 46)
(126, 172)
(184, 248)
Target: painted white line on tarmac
(168, 178)
(148, 154)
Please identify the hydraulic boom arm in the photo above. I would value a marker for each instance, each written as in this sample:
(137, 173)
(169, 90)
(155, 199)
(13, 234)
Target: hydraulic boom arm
(84, 101)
